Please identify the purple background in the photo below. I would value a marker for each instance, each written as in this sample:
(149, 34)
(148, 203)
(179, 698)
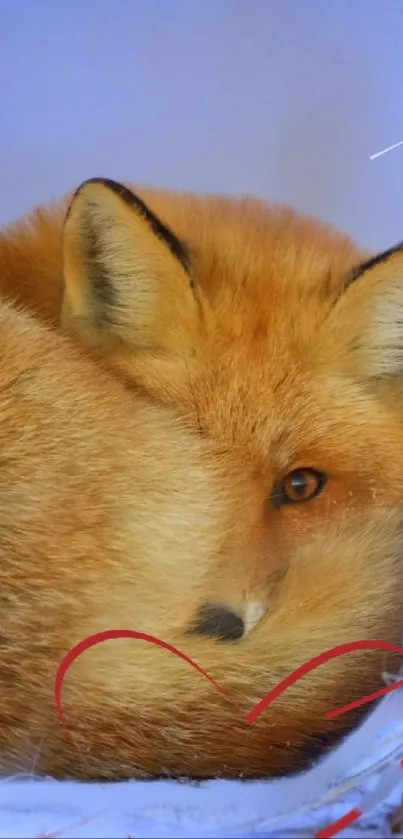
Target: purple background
(282, 98)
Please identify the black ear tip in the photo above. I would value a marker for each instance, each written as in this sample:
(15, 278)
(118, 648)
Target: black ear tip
(109, 184)
(115, 186)
(134, 202)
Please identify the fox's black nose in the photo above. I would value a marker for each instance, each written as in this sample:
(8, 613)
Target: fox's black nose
(218, 622)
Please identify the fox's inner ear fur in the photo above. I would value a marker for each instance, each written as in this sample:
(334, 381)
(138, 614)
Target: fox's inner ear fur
(127, 277)
(365, 324)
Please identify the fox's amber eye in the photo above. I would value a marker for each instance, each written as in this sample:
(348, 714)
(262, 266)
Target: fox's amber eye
(299, 485)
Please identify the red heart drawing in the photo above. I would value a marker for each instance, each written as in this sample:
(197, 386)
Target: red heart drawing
(261, 705)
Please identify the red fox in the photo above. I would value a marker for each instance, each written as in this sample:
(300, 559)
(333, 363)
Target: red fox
(211, 454)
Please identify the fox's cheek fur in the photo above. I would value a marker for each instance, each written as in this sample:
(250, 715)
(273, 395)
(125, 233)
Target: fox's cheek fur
(223, 349)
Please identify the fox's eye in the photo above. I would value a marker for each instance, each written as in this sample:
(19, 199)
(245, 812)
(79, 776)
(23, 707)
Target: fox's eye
(299, 485)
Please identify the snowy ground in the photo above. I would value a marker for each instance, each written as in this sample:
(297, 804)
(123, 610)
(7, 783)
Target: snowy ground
(365, 772)
(70, 810)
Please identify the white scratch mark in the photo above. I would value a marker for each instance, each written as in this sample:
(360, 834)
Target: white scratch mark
(384, 151)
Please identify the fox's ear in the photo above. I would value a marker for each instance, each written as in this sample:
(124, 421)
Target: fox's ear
(127, 277)
(365, 325)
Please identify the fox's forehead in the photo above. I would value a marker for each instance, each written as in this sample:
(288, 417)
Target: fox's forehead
(275, 412)
(255, 248)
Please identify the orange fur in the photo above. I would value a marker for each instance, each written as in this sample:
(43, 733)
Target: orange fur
(131, 500)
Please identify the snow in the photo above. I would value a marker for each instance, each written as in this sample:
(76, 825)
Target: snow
(363, 772)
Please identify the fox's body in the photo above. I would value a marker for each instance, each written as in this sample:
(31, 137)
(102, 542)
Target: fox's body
(244, 345)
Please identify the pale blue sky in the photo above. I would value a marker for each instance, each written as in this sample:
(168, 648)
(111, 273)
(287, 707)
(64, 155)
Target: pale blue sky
(282, 98)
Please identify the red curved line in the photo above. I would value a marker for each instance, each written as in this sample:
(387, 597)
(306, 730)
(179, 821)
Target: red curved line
(340, 824)
(346, 820)
(331, 715)
(313, 664)
(108, 635)
(261, 706)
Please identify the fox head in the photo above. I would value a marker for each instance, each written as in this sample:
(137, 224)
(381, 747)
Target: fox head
(234, 487)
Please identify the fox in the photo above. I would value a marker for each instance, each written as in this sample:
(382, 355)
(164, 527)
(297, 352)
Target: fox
(201, 407)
